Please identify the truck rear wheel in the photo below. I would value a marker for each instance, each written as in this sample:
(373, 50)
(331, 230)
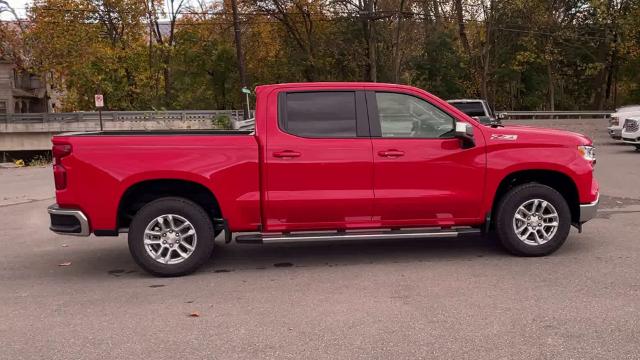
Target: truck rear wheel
(171, 236)
(532, 220)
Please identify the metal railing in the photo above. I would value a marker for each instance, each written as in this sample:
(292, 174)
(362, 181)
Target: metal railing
(123, 120)
(248, 124)
(200, 119)
(181, 115)
(553, 115)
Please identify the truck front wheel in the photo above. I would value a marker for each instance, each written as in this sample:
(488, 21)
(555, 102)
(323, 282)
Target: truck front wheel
(532, 220)
(171, 236)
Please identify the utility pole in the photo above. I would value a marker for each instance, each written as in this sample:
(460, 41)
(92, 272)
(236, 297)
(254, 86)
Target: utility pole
(239, 54)
(372, 40)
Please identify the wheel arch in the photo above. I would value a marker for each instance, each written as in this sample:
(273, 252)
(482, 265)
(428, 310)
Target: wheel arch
(142, 192)
(557, 180)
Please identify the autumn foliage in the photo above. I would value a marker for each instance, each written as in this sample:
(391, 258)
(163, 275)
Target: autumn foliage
(525, 55)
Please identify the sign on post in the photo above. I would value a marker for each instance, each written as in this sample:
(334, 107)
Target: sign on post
(246, 92)
(99, 98)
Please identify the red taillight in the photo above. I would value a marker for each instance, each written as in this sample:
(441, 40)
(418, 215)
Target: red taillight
(60, 176)
(61, 150)
(59, 172)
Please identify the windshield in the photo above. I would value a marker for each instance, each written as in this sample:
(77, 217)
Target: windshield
(470, 108)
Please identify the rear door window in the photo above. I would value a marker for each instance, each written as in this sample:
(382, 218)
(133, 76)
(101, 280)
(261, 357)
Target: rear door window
(322, 114)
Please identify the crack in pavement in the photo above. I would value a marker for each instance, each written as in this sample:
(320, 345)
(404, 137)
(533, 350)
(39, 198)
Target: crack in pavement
(28, 201)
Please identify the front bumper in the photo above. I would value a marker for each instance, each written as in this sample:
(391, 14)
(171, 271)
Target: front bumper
(68, 221)
(589, 211)
(633, 141)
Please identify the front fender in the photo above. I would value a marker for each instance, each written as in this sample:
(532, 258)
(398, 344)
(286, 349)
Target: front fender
(502, 163)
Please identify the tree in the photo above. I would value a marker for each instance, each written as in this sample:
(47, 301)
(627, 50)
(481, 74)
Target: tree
(95, 47)
(164, 36)
(530, 55)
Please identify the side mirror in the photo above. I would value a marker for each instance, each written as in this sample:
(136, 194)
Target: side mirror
(502, 115)
(464, 132)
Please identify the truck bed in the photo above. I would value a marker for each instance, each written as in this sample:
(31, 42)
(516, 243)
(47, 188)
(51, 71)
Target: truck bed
(103, 165)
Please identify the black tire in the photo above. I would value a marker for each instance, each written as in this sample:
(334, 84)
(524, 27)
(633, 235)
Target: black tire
(189, 211)
(506, 210)
(637, 147)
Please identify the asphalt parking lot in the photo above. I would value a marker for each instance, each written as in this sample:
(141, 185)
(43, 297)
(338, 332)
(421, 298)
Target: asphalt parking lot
(438, 298)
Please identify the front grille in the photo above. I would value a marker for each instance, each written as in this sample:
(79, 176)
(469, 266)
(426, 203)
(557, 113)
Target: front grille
(631, 125)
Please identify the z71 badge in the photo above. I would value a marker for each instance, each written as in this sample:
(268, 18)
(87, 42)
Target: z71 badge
(504, 137)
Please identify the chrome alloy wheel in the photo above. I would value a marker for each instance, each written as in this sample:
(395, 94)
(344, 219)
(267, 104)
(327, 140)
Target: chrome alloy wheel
(535, 222)
(170, 239)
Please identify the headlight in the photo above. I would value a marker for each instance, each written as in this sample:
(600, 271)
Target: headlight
(587, 152)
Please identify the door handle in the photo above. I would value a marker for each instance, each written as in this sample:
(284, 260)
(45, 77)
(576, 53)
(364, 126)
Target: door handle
(391, 153)
(286, 154)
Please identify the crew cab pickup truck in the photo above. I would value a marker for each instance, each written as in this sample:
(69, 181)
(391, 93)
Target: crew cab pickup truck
(326, 161)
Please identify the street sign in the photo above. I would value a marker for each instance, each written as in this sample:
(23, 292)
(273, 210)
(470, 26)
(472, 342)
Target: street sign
(99, 98)
(246, 93)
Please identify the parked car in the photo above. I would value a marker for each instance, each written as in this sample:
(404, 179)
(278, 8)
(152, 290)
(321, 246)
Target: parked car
(631, 131)
(476, 108)
(618, 118)
(327, 161)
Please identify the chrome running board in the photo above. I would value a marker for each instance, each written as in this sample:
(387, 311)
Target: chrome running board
(268, 238)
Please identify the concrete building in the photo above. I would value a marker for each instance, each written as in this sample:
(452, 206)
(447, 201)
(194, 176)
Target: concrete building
(24, 92)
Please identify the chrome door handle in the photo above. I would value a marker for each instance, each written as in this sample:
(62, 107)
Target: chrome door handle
(286, 154)
(391, 153)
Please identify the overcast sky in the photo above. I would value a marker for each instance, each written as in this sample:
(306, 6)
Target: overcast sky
(19, 6)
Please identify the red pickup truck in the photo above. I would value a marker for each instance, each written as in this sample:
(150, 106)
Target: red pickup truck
(327, 161)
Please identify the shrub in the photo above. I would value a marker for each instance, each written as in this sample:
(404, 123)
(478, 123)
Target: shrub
(222, 122)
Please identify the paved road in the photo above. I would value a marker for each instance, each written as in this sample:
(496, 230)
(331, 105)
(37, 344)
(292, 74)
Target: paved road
(449, 298)
(26, 185)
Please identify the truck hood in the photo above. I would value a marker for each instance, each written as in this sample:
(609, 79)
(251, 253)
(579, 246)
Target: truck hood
(538, 135)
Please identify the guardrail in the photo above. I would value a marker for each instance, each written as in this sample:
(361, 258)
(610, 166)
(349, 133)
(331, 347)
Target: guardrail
(33, 131)
(248, 124)
(198, 119)
(553, 115)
